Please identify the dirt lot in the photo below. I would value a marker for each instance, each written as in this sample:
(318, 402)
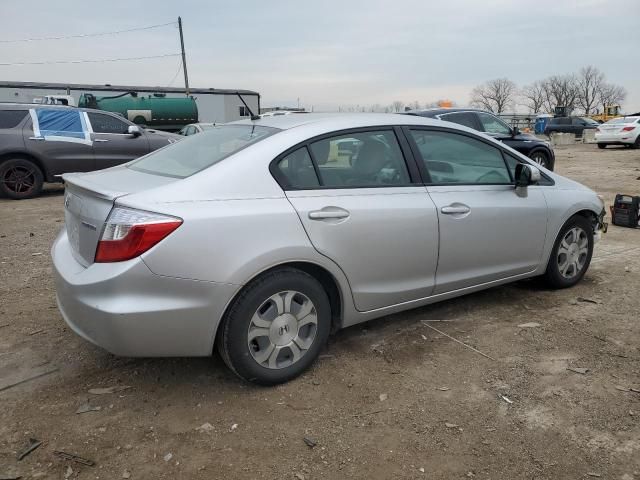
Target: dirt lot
(388, 399)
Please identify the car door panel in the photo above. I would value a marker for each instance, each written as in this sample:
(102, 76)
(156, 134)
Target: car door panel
(489, 230)
(384, 239)
(58, 157)
(111, 144)
(501, 234)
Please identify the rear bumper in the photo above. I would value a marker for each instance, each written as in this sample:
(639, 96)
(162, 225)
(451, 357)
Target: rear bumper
(615, 139)
(129, 311)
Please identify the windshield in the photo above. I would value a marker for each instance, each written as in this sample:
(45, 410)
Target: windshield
(590, 121)
(198, 152)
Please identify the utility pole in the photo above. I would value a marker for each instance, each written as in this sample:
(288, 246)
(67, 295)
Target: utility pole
(184, 58)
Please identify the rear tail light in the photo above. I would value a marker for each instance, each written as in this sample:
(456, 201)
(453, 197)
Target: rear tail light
(627, 129)
(129, 233)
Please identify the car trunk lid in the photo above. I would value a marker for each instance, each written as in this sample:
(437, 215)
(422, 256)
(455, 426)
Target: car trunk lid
(89, 197)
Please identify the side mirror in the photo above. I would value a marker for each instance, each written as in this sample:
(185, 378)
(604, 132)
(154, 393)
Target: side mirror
(515, 131)
(134, 130)
(526, 175)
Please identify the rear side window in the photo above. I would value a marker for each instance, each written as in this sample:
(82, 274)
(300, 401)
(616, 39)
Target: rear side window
(198, 152)
(365, 159)
(11, 118)
(107, 124)
(461, 118)
(451, 158)
(298, 170)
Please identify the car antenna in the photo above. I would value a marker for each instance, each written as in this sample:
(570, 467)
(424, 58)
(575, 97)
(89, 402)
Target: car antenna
(253, 116)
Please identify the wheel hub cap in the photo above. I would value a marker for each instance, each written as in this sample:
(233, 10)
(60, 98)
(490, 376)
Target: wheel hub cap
(573, 252)
(282, 329)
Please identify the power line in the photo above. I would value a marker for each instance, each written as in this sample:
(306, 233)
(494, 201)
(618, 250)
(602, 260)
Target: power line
(84, 35)
(176, 75)
(102, 60)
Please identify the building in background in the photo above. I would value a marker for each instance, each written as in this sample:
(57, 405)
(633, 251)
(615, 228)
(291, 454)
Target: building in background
(212, 104)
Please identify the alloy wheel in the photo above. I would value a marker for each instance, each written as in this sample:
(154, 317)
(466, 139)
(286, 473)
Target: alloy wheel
(573, 252)
(19, 179)
(282, 329)
(540, 158)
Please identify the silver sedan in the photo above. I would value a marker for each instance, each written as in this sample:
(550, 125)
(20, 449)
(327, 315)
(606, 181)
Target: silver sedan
(261, 237)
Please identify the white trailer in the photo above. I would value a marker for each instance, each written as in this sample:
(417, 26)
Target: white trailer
(214, 104)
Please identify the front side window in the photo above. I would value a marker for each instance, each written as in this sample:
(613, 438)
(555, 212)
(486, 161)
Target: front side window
(198, 152)
(462, 118)
(512, 161)
(367, 159)
(451, 158)
(102, 123)
(491, 124)
(297, 169)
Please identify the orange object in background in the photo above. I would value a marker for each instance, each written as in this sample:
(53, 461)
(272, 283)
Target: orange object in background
(445, 104)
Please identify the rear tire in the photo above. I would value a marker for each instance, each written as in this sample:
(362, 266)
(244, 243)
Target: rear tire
(571, 254)
(20, 178)
(602, 145)
(636, 144)
(276, 327)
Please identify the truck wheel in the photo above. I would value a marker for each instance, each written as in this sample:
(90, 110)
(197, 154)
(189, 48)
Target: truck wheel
(20, 178)
(276, 327)
(571, 254)
(602, 146)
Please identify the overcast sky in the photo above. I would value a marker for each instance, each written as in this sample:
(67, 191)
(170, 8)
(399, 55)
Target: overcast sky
(329, 52)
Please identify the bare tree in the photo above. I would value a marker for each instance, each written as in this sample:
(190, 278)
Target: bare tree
(534, 96)
(397, 105)
(560, 91)
(415, 105)
(590, 83)
(494, 95)
(611, 94)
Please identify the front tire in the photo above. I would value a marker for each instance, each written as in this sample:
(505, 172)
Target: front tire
(276, 327)
(602, 146)
(571, 253)
(20, 178)
(541, 158)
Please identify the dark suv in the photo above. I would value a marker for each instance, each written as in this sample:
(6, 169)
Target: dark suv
(575, 125)
(38, 143)
(538, 150)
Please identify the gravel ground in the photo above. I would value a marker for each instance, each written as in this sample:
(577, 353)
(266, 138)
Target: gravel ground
(388, 399)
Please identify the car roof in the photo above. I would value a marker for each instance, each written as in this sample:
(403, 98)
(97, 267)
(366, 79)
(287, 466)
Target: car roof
(27, 106)
(430, 112)
(354, 120)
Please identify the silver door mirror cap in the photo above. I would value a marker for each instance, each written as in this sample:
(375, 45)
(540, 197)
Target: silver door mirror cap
(527, 174)
(134, 130)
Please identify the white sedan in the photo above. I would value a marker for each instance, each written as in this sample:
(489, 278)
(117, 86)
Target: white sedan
(619, 131)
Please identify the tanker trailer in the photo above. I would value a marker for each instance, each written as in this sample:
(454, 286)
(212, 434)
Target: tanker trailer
(155, 110)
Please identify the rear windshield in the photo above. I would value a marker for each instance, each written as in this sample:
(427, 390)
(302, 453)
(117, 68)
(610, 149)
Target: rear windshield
(11, 118)
(198, 152)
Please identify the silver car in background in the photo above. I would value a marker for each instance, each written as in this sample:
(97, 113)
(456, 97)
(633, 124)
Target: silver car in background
(262, 237)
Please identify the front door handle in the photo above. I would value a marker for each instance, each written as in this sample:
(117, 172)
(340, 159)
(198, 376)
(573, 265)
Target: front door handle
(37, 138)
(328, 214)
(453, 209)
(101, 140)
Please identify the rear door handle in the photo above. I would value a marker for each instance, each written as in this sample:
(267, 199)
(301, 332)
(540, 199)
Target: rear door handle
(37, 138)
(452, 209)
(328, 214)
(101, 140)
